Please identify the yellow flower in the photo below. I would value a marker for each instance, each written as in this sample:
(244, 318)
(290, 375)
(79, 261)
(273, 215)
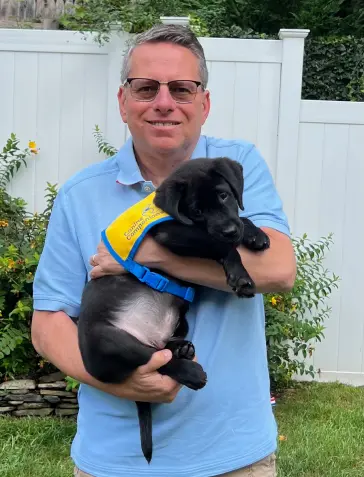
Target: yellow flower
(33, 147)
(11, 263)
(282, 438)
(294, 307)
(273, 301)
(4, 223)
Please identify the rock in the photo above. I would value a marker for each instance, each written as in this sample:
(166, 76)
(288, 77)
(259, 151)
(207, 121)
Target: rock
(66, 405)
(34, 405)
(19, 391)
(24, 397)
(2, 393)
(15, 403)
(52, 399)
(73, 401)
(6, 409)
(33, 412)
(66, 412)
(46, 392)
(50, 378)
(55, 385)
(18, 384)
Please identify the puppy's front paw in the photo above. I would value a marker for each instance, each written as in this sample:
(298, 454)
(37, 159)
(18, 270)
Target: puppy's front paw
(260, 241)
(244, 287)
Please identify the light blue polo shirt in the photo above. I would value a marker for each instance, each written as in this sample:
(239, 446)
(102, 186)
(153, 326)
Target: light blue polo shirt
(228, 424)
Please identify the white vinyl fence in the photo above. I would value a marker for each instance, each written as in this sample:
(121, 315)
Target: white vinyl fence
(329, 197)
(55, 86)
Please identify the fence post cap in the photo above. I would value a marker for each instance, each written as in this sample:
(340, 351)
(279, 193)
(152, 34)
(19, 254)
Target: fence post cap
(292, 33)
(184, 21)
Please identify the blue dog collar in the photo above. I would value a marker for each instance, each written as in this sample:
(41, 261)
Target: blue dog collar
(123, 237)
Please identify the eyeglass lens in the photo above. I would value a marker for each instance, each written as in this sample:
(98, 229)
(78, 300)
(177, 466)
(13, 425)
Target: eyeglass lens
(147, 90)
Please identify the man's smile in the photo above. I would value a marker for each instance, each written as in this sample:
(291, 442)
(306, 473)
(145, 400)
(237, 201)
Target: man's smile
(164, 123)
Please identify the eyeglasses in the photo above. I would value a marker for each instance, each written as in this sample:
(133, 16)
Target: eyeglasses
(144, 89)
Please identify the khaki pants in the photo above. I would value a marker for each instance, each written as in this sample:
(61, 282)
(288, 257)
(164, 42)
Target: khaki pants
(263, 468)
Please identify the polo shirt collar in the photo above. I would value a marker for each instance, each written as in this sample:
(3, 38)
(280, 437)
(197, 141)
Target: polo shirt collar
(129, 172)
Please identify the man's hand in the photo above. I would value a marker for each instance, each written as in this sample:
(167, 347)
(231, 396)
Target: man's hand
(149, 254)
(146, 384)
(104, 263)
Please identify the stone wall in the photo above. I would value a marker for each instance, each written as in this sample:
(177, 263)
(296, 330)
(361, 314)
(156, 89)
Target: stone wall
(45, 397)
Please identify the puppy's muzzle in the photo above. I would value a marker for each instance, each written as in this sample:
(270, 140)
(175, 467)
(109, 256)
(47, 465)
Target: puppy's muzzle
(231, 232)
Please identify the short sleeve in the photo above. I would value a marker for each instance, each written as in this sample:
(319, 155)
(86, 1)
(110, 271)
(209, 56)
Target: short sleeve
(61, 273)
(262, 204)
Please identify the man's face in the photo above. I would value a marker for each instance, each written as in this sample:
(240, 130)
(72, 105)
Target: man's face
(164, 125)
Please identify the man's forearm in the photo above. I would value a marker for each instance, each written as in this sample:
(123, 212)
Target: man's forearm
(55, 337)
(273, 270)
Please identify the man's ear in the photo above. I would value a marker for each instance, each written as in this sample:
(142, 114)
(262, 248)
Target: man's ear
(232, 172)
(205, 106)
(168, 198)
(121, 100)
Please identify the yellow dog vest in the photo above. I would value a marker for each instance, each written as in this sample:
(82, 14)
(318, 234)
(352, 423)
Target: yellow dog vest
(125, 234)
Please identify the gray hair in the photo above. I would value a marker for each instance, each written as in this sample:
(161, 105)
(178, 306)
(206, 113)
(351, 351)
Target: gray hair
(177, 34)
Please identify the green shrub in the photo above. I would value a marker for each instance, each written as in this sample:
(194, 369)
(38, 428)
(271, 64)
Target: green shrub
(295, 320)
(21, 241)
(333, 69)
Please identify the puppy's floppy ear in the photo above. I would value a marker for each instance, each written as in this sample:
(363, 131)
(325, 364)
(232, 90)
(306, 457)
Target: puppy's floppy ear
(168, 197)
(232, 172)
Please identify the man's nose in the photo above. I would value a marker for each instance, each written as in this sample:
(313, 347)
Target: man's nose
(164, 101)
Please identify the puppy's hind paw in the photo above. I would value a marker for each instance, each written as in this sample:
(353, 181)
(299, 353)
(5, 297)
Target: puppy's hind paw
(194, 377)
(186, 372)
(181, 348)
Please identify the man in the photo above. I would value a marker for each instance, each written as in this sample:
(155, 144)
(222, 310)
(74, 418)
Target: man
(228, 426)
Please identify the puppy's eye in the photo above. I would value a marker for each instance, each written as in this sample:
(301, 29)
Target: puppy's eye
(223, 195)
(198, 212)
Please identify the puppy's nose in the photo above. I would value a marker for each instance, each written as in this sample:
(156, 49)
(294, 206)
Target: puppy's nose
(230, 231)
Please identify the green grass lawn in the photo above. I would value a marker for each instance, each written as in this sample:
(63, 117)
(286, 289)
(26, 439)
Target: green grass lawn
(323, 427)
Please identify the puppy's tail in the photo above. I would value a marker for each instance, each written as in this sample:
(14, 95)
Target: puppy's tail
(145, 425)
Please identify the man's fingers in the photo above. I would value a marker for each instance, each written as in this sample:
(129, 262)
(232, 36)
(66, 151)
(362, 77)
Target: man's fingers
(158, 359)
(93, 260)
(98, 272)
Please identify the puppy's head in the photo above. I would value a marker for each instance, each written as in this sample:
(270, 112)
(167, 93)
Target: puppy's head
(206, 193)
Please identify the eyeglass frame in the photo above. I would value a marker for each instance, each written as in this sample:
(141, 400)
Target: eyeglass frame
(197, 83)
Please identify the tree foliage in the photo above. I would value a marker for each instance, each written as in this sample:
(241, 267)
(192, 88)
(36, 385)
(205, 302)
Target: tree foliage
(221, 18)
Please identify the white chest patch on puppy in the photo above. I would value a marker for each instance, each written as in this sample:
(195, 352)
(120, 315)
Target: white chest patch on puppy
(150, 318)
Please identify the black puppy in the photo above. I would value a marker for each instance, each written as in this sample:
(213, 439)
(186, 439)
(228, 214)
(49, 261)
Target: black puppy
(123, 322)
